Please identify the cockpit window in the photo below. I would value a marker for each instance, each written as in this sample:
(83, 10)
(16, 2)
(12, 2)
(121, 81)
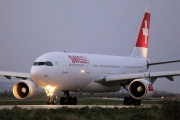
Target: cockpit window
(41, 63)
(48, 63)
(35, 63)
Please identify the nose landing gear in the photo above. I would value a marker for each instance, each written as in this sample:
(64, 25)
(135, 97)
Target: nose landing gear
(51, 100)
(67, 100)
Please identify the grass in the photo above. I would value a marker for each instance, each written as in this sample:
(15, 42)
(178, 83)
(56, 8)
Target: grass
(81, 101)
(82, 114)
(168, 110)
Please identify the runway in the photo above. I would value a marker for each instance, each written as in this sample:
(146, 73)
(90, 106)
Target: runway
(68, 106)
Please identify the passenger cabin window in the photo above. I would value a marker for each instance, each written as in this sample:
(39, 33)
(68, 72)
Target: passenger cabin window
(47, 63)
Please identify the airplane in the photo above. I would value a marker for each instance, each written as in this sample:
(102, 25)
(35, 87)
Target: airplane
(92, 73)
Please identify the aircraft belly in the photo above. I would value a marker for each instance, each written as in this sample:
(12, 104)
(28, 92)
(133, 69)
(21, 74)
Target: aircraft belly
(94, 87)
(68, 81)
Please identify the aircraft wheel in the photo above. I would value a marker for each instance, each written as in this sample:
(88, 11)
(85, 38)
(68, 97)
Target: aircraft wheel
(75, 100)
(70, 101)
(139, 102)
(136, 101)
(62, 101)
(48, 101)
(53, 101)
(125, 100)
(129, 101)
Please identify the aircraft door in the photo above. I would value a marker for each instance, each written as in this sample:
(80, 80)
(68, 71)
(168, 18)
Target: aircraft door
(64, 65)
(121, 70)
(87, 68)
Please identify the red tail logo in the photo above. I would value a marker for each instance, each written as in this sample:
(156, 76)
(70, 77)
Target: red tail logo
(142, 40)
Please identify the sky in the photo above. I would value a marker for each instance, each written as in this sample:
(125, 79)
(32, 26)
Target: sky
(31, 28)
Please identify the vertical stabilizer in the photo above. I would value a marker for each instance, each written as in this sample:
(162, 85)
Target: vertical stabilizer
(141, 47)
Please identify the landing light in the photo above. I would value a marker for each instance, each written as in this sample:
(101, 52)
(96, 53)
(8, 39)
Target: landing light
(49, 90)
(82, 71)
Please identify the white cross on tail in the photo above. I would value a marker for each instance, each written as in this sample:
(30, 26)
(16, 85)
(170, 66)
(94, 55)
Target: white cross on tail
(145, 31)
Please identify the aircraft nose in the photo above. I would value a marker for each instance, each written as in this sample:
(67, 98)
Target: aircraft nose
(35, 74)
(39, 76)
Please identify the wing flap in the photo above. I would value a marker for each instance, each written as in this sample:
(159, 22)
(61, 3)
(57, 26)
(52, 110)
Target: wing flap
(9, 74)
(167, 74)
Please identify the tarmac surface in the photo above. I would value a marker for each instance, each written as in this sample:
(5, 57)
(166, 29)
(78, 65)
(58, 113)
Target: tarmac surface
(69, 106)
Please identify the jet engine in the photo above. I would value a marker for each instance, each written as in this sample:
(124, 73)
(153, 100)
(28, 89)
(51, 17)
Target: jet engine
(24, 89)
(140, 88)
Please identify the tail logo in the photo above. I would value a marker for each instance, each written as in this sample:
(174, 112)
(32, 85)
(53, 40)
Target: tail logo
(142, 40)
(145, 31)
(141, 46)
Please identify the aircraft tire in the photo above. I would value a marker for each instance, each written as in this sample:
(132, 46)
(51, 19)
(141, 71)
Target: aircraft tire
(53, 101)
(48, 103)
(136, 101)
(125, 100)
(74, 100)
(70, 101)
(62, 101)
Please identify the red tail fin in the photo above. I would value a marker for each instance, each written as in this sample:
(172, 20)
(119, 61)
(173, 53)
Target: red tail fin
(141, 47)
(142, 40)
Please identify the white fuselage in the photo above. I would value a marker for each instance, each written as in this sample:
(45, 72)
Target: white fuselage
(77, 72)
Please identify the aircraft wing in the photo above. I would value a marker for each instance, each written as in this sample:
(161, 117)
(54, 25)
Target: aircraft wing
(129, 77)
(8, 75)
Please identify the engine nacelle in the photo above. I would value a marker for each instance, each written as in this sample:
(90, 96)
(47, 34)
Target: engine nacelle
(24, 89)
(140, 88)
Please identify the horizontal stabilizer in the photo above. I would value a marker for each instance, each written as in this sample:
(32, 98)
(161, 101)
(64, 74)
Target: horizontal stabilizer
(166, 62)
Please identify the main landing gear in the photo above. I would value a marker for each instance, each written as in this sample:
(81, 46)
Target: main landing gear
(131, 101)
(68, 100)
